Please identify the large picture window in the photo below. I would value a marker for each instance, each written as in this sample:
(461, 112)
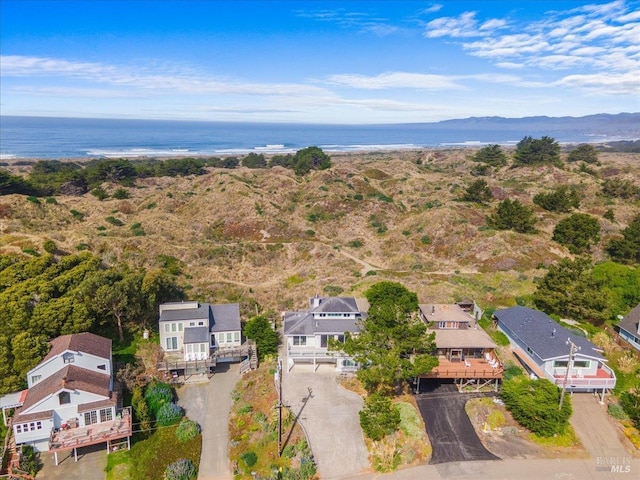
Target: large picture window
(106, 415)
(172, 343)
(300, 341)
(90, 417)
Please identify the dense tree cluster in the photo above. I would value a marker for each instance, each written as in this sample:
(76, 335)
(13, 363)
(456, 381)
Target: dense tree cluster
(393, 345)
(577, 232)
(537, 151)
(267, 339)
(52, 177)
(44, 297)
(512, 215)
(627, 249)
(562, 199)
(569, 289)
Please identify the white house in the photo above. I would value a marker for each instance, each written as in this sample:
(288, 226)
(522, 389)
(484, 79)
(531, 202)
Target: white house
(195, 330)
(307, 332)
(545, 348)
(71, 401)
(629, 327)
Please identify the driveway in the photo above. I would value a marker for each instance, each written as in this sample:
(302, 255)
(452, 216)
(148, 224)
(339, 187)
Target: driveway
(595, 429)
(209, 404)
(451, 433)
(91, 463)
(329, 416)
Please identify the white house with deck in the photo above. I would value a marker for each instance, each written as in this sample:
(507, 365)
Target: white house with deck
(629, 327)
(307, 332)
(545, 349)
(194, 330)
(71, 401)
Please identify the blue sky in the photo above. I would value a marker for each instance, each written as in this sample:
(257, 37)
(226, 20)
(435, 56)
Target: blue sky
(318, 62)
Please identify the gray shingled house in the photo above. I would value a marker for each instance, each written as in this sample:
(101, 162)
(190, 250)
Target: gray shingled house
(544, 347)
(629, 327)
(307, 332)
(194, 330)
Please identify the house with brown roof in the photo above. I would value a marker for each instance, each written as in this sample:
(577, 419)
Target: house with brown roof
(465, 351)
(71, 401)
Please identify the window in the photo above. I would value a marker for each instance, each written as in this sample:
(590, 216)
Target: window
(172, 343)
(581, 363)
(229, 337)
(28, 427)
(36, 378)
(102, 367)
(236, 336)
(529, 350)
(19, 428)
(340, 338)
(91, 417)
(167, 327)
(201, 323)
(203, 348)
(106, 415)
(64, 398)
(560, 364)
(192, 324)
(68, 358)
(299, 341)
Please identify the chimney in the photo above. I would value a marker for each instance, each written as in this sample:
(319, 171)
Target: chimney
(433, 309)
(553, 332)
(315, 301)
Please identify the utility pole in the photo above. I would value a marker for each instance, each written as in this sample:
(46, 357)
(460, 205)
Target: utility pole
(279, 406)
(573, 348)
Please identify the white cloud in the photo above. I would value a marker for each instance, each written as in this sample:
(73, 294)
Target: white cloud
(604, 83)
(139, 77)
(395, 80)
(436, 7)
(493, 24)
(465, 25)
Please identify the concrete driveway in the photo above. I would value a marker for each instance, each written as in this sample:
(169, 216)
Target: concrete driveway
(595, 429)
(91, 463)
(451, 433)
(209, 404)
(329, 415)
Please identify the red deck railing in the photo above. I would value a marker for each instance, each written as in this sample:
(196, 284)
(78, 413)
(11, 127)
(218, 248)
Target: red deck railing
(92, 434)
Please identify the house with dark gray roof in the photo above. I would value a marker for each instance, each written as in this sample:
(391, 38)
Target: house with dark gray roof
(629, 327)
(71, 399)
(194, 330)
(549, 350)
(307, 332)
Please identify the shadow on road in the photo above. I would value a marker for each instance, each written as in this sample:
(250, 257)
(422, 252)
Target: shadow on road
(305, 400)
(452, 435)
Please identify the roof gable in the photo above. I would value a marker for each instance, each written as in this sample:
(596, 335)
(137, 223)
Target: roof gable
(630, 321)
(226, 317)
(68, 378)
(80, 342)
(337, 305)
(546, 337)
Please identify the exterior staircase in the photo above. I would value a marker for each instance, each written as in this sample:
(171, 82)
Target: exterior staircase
(251, 362)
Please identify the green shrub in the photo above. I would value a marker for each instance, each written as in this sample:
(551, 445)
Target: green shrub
(187, 429)
(114, 221)
(77, 215)
(157, 395)
(355, 243)
(51, 201)
(83, 246)
(379, 417)
(169, 414)
(100, 193)
(332, 290)
(511, 371)
(151, 205)
(50, 246)
(249, 458)
(617, 412)
(101, 228)
(33, 199)
(534, 405)
(182, 469)
(30, 251)
(30, 461)
(121, 194)
(425, 240)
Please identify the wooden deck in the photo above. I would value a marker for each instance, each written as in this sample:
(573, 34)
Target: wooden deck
(469, 368)
(92, 434)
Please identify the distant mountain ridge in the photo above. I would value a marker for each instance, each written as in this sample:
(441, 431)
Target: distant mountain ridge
(621, 124)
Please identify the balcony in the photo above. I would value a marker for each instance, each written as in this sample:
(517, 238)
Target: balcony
(77, 437)
(468, 368)
(604, 378)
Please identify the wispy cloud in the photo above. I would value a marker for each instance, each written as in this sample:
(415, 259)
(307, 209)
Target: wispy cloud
(395, 80)
(436, 7)
(594, 38)
(352, 20)
(145, 79)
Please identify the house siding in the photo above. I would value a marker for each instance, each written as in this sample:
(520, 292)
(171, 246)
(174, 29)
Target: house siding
(632, 339)
(80, 359)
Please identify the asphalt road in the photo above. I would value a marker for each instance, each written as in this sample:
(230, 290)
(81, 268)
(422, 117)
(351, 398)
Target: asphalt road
(452, 435)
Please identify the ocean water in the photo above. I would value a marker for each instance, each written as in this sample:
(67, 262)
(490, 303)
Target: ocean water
(48, 137)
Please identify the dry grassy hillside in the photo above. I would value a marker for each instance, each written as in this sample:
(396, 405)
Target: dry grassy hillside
(278, 238)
